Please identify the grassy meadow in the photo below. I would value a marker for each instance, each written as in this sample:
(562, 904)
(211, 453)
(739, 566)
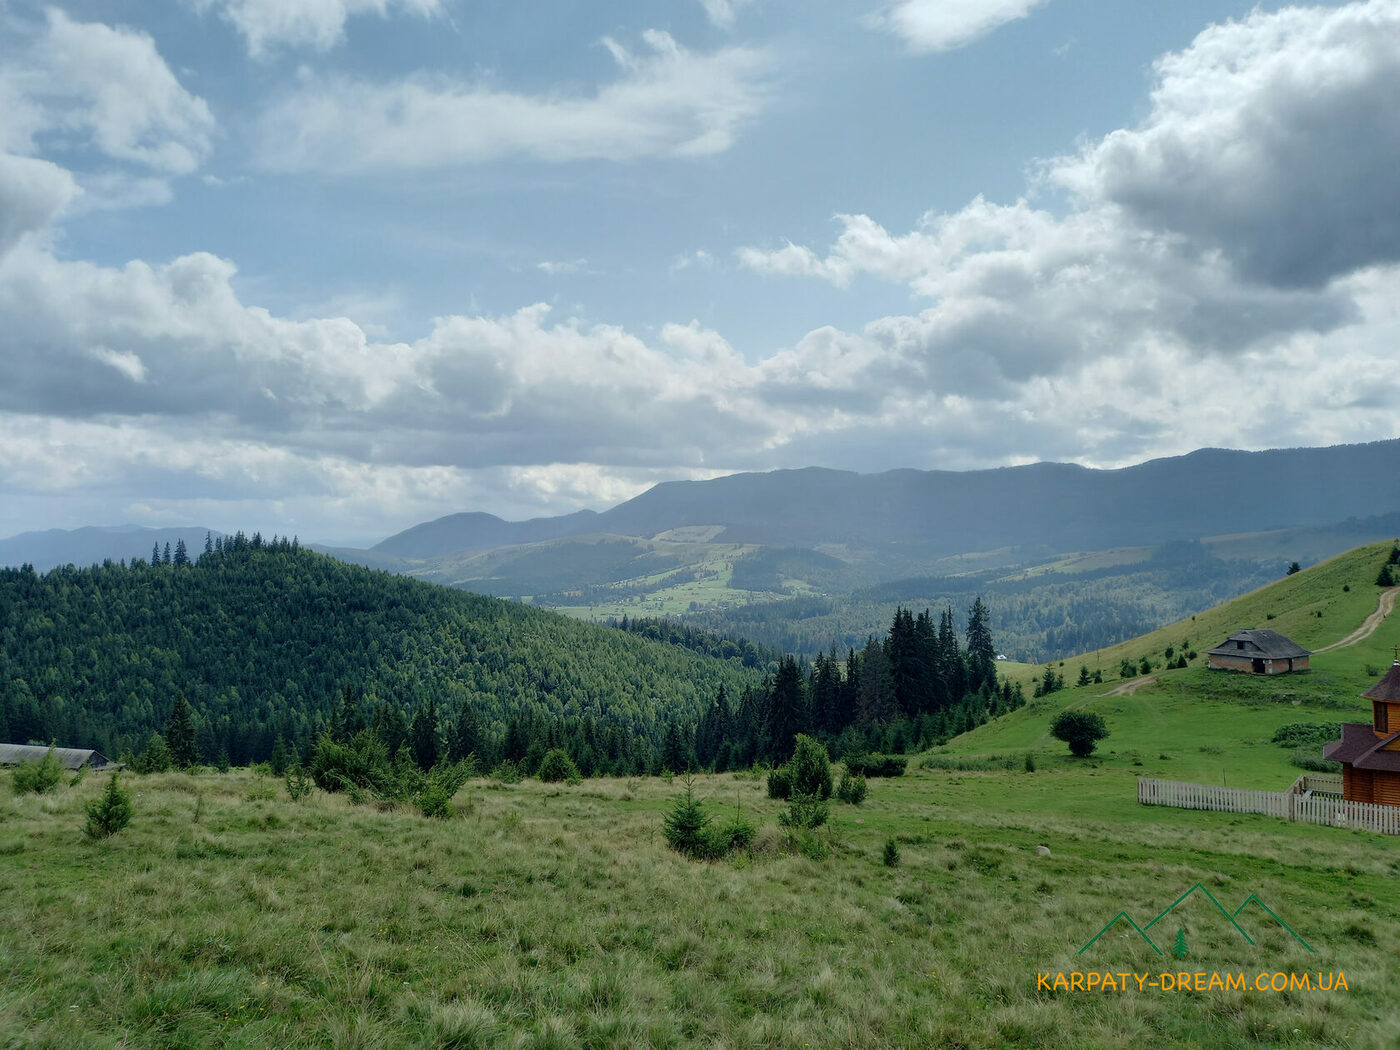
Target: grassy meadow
(555, 916)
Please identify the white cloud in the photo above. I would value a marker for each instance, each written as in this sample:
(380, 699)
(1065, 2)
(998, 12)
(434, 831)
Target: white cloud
(318, 24)
(32, 192)
(668, 102)
(552, 266)
(723, 12)
(111, 87)
(942, 25)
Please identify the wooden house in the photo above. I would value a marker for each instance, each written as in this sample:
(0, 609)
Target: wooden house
(68, 757)
(1258, 651)
(1370, 753)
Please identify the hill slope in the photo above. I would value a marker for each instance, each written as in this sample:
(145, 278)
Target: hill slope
(1193, 723)
(263, 638)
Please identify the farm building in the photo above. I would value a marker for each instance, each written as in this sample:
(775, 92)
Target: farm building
(1258, 651)
(1370, 754)
(68, 757)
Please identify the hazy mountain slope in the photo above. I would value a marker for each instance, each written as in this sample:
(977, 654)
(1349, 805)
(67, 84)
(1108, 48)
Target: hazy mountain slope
(1053, 506)
(94, 544)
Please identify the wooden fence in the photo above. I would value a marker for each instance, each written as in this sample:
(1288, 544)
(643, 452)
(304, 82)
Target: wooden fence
(1315, 809)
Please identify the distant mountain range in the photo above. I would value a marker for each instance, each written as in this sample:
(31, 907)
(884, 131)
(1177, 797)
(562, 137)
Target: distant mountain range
(1069, 558)
(1053, 506)
(95, 544)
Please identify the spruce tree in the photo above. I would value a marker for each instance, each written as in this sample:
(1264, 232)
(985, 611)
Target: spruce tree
(423, 735)
(182, 556)
(179, 734)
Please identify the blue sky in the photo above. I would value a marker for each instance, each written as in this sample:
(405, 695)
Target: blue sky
(334, 267)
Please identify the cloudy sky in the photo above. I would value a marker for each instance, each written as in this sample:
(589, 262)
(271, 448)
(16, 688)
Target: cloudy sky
(334, 267)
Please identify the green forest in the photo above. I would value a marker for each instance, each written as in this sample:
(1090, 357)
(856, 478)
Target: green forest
(255, 650)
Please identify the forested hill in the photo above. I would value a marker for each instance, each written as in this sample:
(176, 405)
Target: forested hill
(263, 637)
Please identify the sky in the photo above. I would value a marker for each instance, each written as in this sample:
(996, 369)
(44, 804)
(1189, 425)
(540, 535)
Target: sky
(334, 267)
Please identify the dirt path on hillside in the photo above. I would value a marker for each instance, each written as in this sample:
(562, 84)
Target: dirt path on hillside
(1131, 686)
(1368, 625)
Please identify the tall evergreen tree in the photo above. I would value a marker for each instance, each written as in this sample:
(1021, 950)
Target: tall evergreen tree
(785, 716)
(179, 734)
(877, 701)
(466, 736)
(423, 735)
(182, 556)
(981, 652)
(155, 554)
(208, 543)
(165, 558)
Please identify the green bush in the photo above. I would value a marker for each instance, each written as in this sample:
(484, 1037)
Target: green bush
(810, 768)
(852, 789)
(110, 813)
(557, 765)
(363, 763)
(40, 777)
(435, 801)
(1081, 730)
(298, 782)
(732, 836)
(1313, 761)
(156, 758)
(686, 826)
(876, 765)
(891, 853)
(1311, 735)
(804, 812)
(780, 782)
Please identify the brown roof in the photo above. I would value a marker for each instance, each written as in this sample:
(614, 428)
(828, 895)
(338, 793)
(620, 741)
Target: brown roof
(1260, 642)
(1388, 688)
(1360, 748)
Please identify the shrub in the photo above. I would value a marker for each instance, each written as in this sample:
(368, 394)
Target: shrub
(507, 772)
(780, 782)
(1311, 735)
(1082, 730)
(686, 827)
(733, 835)
(435, 801)
(110, 813)
(804, 812)
(876, 765)
(557, 765)
(1030, 762)
(891, 853)
(156, 758)
(363, 763)
(1313, 761)
(40, 777)
(298, 782)
(811, 768)
(852, 789)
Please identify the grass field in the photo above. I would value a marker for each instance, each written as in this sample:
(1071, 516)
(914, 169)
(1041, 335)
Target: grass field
(540, 916)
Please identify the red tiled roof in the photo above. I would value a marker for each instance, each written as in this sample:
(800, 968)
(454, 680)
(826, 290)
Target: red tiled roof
(1388, 688)
(1360, 748)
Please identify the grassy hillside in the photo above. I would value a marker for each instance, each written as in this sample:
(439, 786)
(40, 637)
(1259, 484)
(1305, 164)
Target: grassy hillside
(1214, 726)
(541, 917)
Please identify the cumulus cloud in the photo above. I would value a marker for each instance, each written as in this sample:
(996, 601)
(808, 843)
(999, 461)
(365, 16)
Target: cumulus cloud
(111, 87)
(723, 12)
(667, 102)
(32, 192)
(318, 24)
(1216, 227)
(1274, 140)
(942, 25)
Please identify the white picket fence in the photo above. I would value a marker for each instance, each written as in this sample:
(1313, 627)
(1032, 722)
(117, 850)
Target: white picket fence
(1315, 809)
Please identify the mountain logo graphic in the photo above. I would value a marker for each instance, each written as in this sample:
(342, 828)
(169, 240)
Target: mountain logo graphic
(1230, 917)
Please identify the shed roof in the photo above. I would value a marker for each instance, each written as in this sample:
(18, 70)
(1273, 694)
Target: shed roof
(1388, 688)
(1262, 642)
(1360, 748)
(68, 757)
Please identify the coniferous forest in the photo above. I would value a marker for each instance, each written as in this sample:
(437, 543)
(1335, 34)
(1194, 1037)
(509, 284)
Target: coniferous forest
(254, 649)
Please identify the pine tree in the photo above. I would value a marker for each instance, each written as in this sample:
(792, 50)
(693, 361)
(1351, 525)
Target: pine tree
(423, 735)
(155, 554)
(786, 714)
(208, 543)
(165, 558)
(466, 736)
(182, 556)
(110, 813)
(179, 734)
(1179, 949)
(981, 651)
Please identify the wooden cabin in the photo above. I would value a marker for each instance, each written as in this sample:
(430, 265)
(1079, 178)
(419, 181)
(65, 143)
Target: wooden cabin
(1258, 651)
(1370, 753)
(67, 757)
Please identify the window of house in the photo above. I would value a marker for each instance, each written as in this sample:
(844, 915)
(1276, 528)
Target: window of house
(1381, 713)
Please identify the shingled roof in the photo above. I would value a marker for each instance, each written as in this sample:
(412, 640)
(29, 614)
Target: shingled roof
(1260, 642)
(68, 757)
(1388, 688)
(1360, 747)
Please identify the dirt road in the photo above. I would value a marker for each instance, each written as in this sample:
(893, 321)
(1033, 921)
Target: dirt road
(1368, 625)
